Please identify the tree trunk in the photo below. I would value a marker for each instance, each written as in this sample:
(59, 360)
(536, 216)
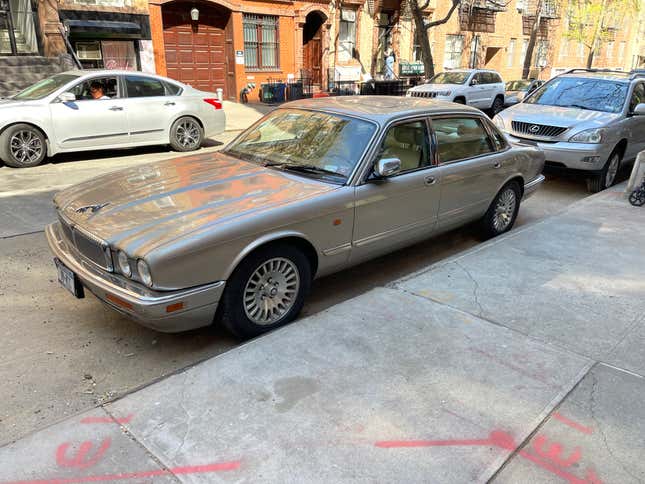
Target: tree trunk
(526, 69)
(590, 56)
(596, 34)
(422, 38)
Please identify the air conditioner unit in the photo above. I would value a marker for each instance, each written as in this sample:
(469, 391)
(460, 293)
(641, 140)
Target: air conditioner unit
(88, 50)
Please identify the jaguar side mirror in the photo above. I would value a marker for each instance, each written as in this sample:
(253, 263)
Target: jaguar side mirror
(386, 167)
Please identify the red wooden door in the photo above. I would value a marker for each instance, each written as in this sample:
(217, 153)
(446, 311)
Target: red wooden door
(196, 51)
(312, 47)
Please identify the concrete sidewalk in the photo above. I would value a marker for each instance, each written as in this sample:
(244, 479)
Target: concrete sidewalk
(518, 361)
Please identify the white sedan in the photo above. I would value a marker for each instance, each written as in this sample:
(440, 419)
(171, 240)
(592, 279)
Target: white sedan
(88, 110)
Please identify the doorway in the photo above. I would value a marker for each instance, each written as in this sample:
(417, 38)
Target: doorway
(312, 47)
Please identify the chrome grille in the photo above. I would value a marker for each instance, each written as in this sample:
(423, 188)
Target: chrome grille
(423, 94)
(89, 247)
(533, 129)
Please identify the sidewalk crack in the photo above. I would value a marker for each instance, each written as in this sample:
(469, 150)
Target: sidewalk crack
(475, 288)
(592, 409)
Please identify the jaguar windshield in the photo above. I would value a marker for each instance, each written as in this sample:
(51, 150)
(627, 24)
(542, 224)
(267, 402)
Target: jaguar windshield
(582, 93)
(312, 143)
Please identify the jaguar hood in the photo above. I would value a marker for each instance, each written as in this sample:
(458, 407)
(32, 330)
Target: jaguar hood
(146, 206)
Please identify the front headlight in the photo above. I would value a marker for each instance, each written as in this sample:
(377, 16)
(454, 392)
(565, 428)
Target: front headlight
(499, 122)
(123, 264)
(144, 272)
(408, 93)
(595, 135)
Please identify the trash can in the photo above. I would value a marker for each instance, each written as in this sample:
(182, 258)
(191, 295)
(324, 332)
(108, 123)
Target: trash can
(279, 92)
(295, 90)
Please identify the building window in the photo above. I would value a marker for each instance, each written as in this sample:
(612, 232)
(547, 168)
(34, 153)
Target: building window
(610, 50)
(261, 42)
(452, 54)
(107, 54)
(525, 48)
(511, 53)
(541, 54)
(564, 49)
(347, 35)
(621, 51)
(581, 49)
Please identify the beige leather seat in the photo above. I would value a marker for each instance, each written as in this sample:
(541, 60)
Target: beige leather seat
(406, 144)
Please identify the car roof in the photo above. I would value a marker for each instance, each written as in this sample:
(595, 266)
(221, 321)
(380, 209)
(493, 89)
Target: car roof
(381, 109)
(116, 72)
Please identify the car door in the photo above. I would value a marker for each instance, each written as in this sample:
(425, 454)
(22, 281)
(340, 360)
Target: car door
(150, 107)
(400, 209)
(635, 124)
(478, 91)
(87, 122)
(472, 168)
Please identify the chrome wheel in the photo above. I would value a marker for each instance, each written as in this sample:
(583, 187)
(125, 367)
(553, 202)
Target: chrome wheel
(271, 291)
(612, 169)
(26, 147)
(188, 134)
(504, 210)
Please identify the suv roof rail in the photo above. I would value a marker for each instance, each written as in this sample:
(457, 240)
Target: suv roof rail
(636, 73)
(610, 71)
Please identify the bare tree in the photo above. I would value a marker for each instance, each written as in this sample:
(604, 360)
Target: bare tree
(421, 28)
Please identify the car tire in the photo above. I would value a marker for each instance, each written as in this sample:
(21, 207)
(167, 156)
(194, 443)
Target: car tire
(502, 212)
(278, 273)
(498, 105)
(186, 134)
(607, 176)
(22, 146)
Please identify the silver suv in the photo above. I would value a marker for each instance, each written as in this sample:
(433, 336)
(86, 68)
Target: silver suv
(480, 88)
(587, 120)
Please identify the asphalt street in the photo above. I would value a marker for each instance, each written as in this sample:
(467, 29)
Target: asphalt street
(60, 356)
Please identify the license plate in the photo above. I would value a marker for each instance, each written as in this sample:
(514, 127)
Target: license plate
(69, 280)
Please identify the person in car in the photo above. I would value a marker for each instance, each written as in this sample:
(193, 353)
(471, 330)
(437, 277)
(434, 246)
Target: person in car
(98, 91)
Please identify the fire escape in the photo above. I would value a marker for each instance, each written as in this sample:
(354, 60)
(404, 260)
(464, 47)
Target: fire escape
(479, 15)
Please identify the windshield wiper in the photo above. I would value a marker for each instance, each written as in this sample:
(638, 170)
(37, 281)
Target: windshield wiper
(579, 106)
(303, 168)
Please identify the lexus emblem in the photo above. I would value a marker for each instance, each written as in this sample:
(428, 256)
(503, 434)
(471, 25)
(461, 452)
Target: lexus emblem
(534, 128)
(91, 208)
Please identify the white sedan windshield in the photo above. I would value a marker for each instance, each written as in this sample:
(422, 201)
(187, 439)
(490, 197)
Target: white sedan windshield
(45, 87)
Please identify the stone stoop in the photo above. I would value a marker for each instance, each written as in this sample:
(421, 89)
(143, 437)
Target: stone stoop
(18, 72)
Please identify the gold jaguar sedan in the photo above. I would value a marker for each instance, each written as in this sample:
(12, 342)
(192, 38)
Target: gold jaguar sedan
(312, 188)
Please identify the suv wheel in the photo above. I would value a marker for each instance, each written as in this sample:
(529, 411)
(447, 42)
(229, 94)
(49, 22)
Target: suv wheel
(607, 176)
(498, 105)
(267, 290)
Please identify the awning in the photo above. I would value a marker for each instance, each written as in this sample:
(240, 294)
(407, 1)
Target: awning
(103, 29)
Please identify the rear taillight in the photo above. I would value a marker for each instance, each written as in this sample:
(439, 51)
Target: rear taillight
(214, 102)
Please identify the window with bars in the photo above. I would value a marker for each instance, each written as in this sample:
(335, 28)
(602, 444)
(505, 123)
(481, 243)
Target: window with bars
(347, 35)
(453, 50)
(261, 42)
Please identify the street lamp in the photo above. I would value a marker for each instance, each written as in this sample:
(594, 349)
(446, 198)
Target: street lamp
(194, 14)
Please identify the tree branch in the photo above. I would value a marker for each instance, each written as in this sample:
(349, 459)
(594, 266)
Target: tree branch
(424, 6)
(455, 4)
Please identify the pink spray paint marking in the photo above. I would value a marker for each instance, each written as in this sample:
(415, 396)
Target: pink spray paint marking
(199, 469)
(548, 457)
(107, 420)
(82, 459)
(572, 424)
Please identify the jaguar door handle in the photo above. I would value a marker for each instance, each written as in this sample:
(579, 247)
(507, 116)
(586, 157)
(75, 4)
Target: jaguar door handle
(429, 180)
(116, 108)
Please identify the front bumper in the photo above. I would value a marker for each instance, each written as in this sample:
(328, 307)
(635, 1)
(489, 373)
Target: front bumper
(153, 309)
(572, 155)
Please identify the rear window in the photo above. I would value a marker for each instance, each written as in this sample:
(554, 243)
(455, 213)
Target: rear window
(137, 86)
(172, 89)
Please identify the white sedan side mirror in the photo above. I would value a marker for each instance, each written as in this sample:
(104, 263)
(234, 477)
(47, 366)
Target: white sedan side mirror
(67, 97)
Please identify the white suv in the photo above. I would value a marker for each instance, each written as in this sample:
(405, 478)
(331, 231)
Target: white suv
(480, 88)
